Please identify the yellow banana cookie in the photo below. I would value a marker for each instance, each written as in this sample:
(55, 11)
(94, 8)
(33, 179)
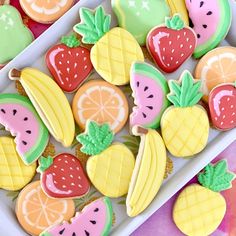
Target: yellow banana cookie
(14, 174)
(111, 165)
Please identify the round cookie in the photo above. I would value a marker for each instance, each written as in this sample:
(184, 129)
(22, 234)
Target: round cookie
(69, 63)
(14, 174)
(63, 176)
(102, 102)
(216, 67)
(46, 11)
(106, 159)
(222, 106)
(15, 36)
(18, 116)
(170, 45)
(36, 212)
(211, 21)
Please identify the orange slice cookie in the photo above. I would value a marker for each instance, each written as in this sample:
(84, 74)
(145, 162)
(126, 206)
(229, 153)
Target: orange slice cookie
(101, 102)
(36, 212)
(45, 11)
(215, 68)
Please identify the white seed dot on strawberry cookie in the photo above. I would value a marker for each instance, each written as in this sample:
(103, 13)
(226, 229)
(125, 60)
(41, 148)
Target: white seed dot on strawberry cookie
(75, 65)
(231, 121)
(182, 55)
(63, 186)
(53, 174)
(79, 177)
(55, 166)
(222, 123)
(72, 184)
(67, 79)
(170, 42)
(62, 55)
(222, 109)
(190, 46)
(85, 67)
(66, 161)
(59, 159)
(178, 37)
(62, 169)
(233, 114)
(164, 49)
(79, 186)
(177, 62)
(60, 62)
(69, 52)
(73, 160)
(171, 58)
(216, 118)
(173, 50)
(83, 51)
(181, 45)
(63, 178)
(168, 65)
(70, 85)
(75, 76)
(68, 62)
(163, 58)
(85, 58)
(71, 168)
(232, 106)
(55, 182)
(68, 70)
(77, 168)
(72, 176)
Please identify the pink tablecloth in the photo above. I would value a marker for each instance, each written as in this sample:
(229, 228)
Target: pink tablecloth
(161, 224)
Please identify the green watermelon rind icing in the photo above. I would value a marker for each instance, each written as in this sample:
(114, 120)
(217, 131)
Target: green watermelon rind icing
(43, 135)
(221, 32)
(152, 72)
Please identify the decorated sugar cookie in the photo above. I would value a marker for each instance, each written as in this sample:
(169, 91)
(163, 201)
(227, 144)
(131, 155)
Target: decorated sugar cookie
(185, 125)
(211, 21)
(49, 101)
(94, 220)
(114, 50)
(36, 212)
(18, 116)
(170, 45)
(63, 176)
(149, 91)
(200, 208)
(14, 174)
(15, 36)
(69, 63)
(46, 11)
(101, 102)
(215, 68)
(106, 159)
(222, 105)
(149, 171)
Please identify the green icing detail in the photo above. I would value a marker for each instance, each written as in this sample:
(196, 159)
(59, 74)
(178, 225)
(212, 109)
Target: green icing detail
(70, 41)
(109, 210)
(186, 93)
(44, 163)
(93, 25)
(45, 234)
(96, 138)
(15, 36)
(175, 23)
(216, 177)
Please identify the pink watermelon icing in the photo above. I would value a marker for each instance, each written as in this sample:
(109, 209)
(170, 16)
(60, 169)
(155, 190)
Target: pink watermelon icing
(149, 91)
(19, 117)
(94, 220)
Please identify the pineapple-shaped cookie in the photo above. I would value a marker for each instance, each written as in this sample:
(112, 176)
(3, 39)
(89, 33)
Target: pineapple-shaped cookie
(199, 210)
(114, 50)
(111, 165)
(185, 125)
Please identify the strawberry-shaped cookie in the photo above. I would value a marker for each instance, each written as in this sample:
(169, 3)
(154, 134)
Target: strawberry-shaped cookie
(171, 44)
(222, 105)
(63, 176)
(69, 63)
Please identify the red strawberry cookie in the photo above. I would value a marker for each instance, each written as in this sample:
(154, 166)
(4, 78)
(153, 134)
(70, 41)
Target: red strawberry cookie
(171, 44)
(69, 63)
(63, 176)
(222, 105)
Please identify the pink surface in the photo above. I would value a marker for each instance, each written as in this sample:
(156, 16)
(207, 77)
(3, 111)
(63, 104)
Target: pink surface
(161, 224)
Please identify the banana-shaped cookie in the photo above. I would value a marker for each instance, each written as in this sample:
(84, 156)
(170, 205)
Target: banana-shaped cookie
(49, 101)
(149, 171)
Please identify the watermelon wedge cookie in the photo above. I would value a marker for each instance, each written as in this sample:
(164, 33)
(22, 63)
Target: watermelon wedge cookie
(171, 44)
(222, 106)
(211, 21)
(94, 220)
(69, 63)
(18, 116)
(63, 176)
(150, 91)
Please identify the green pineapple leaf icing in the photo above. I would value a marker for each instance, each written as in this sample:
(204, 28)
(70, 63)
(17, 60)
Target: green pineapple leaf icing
(70, 41)
(96, 138)
(216, 177)
(175, 23)
(94, 24)
(186, 93)
(44, 163)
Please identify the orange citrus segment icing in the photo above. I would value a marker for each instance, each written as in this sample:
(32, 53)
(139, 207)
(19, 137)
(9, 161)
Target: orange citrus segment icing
(36, 212)
(101, 102)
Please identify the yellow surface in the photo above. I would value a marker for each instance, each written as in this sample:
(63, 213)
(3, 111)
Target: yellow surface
(185, 130)
(14, 174)
(113, 55)
(198, 211)
(178, 6)
(110, 172)
(51, 104)
(148, 173)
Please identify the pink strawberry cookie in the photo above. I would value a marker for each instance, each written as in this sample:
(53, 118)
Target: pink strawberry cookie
(170, 45)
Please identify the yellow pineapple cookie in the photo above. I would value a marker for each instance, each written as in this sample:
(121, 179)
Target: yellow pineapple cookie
(111, 165)
(199, 210)
(185, 125)
(114, 50)
(149, 170)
